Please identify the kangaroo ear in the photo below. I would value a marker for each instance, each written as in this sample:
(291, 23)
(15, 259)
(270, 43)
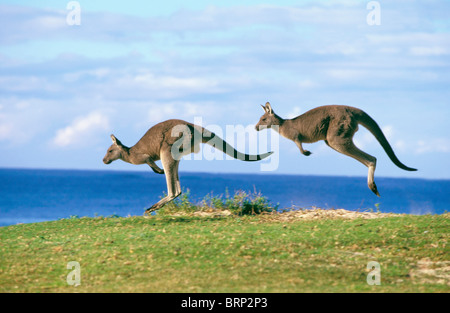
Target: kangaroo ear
(115, 140)
(264, 108)
(269, 108)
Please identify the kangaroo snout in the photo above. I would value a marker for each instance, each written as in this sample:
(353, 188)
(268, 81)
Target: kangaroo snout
(106, 161)
(259, 127)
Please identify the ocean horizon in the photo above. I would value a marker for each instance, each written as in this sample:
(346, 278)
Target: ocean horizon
(36, 195)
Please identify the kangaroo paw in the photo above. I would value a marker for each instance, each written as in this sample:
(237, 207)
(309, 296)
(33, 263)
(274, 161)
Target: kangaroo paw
(307, 153)
(158, 170)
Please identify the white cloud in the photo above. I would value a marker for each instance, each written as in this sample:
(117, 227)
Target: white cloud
(21, 120)
(429, 51)
(348, 74)
(400, 145)
(296, 111)
(49, 22)
(98, 73)
(160, 113)
(146, 85)
(426, 39)
(181, 110)
(5, 130)
(24, 83)
(364, 138)
(307, 84)
(81, 130)
(219, 63)
(151, 81)
(436, 145)
(388, 131)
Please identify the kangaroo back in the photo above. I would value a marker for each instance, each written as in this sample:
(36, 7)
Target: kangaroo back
(365, 120)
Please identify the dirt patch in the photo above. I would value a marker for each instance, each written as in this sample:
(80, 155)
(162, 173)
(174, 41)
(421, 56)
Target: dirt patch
(317, 214)
(295, 215)
(429, 272)
(213, 213)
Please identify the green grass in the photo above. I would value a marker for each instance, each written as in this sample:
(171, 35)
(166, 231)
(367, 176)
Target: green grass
(226, 254)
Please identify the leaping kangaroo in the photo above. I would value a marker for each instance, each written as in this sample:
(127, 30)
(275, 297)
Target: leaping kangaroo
(169, 141)
(336, 124)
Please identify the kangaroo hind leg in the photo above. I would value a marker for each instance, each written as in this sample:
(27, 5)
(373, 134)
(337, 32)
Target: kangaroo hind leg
(347, 147)
(173, 184)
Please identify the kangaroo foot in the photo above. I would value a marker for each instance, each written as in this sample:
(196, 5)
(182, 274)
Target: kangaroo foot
(374, 189)
(151, 209)
(160, 204)
(307, 153)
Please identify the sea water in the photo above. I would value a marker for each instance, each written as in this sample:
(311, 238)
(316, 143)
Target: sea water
(33, 195)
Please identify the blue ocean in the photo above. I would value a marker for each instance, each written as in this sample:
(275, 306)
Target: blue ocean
(29, 195)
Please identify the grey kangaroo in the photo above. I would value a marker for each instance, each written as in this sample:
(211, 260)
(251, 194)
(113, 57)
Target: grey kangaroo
(169, 141)
(336, 125)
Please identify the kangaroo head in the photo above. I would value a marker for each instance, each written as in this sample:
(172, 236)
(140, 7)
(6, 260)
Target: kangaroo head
(114, 152)
(268, 119)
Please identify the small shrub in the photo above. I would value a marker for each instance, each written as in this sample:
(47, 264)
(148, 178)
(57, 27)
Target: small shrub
(180, 204)
(241, 203)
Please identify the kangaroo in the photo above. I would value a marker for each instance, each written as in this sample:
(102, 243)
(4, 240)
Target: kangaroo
(169, 141)
(336, 125)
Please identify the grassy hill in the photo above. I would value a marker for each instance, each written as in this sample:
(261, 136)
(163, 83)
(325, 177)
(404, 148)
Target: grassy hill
(308, 251)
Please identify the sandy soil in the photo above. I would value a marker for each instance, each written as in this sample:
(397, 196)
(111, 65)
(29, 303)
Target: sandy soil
(306, 214)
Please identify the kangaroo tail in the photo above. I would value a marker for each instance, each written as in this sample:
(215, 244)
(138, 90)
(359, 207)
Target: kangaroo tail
(366, 121)
(218, 143)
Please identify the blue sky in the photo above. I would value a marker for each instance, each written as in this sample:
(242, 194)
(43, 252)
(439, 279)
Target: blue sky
(64, 89)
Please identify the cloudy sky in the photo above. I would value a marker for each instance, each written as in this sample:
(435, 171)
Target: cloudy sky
(65, 88)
